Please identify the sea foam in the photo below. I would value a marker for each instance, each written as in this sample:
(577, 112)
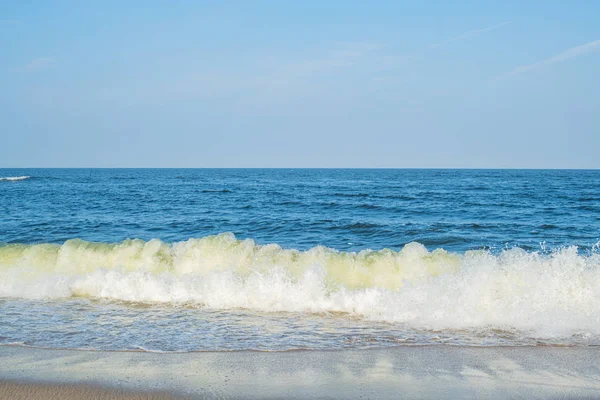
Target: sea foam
(14, 178)
(548, 294)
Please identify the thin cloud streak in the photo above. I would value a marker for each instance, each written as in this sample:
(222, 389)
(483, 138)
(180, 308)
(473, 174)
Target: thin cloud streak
(392, 61)
(469, 34)
(564, 56)
(38, 64)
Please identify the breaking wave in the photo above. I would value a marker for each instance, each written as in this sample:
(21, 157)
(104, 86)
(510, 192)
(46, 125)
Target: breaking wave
(14, 178)
(554, 293)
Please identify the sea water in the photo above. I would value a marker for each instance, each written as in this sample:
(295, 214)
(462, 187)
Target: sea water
(281, 259)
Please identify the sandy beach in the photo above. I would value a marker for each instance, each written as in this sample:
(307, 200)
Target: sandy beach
(406, 372)
(33, 391)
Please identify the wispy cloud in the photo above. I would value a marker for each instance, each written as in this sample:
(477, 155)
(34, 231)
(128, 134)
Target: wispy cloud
(392, 61)
(558, 58)
(343, 55)
(38, 64)
(279, 78)
(468, 34)
(268, 79)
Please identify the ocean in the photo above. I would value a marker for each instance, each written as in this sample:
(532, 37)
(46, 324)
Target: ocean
(183, 260)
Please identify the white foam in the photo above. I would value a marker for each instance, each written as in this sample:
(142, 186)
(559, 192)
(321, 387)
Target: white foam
(546, 294)
(14, 178)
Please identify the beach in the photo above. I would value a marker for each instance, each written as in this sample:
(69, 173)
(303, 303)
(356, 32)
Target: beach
(30, 391)
(415, 372)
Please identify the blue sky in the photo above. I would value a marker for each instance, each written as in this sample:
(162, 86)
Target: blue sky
(300, 84)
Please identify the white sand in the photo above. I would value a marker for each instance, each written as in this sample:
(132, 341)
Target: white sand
(405, 372)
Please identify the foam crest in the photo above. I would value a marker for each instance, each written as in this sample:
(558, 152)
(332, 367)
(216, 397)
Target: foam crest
(14, 178)
(546, 294)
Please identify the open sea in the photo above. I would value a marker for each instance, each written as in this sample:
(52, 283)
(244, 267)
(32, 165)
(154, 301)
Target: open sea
(180, 260)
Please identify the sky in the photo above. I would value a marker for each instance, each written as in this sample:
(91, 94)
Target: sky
(378, 84)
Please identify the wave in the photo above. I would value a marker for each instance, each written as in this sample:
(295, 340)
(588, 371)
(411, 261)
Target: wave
(14, 178)
(216, 191)
(351, 194)
(547, 294)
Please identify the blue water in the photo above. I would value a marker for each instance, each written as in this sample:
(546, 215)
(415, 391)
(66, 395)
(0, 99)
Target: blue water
(281, 259)
(343, 209)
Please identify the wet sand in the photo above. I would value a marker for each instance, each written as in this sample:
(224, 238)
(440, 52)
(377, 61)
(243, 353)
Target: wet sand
(406, 372)
(40, 391)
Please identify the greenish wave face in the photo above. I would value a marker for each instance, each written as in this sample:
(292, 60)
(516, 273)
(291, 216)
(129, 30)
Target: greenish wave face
(199, 257)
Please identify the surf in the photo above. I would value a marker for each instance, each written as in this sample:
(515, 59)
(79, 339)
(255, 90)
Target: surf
(14, 178)
(551, 293)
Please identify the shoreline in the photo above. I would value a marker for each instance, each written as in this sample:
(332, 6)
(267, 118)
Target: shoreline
(416, 372)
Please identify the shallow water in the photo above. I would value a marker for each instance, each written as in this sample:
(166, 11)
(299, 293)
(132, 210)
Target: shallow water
(315, 259)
